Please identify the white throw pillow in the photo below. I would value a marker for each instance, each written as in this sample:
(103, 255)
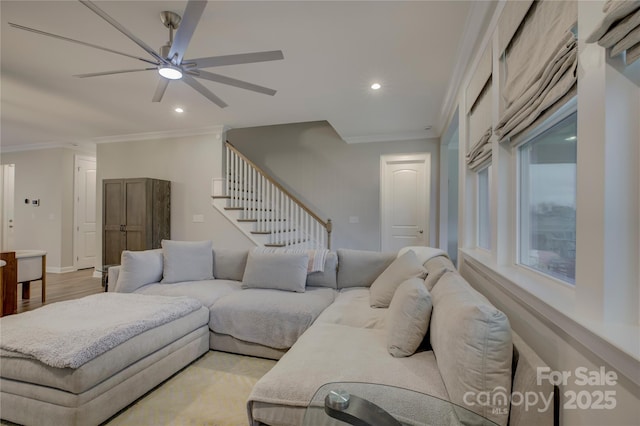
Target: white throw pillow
(400, 270)
(408, 318)
(278, 271)
(187, 261)
(138, 268)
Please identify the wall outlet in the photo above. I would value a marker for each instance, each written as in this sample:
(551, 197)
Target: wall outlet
(198, 218)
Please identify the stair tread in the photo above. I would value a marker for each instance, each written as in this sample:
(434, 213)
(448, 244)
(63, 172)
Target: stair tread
(271, 232)
(249, 208)
(220, 196)
(287, 243)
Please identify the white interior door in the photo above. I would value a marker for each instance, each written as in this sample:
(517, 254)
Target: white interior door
(8, 195)
(404, 200)
(85, 213)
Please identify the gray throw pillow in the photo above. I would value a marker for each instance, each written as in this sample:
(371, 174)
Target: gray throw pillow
(229, 264)
(138, 268)
(187, 261)
(278, 271)
(400, 270)
(408, 318)
(327, 277)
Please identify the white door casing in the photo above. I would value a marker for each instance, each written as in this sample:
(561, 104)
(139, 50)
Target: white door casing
(84, 241)
(404, 200)
(7, 201)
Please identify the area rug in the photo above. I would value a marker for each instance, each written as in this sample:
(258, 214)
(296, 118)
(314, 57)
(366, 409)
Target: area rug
(211, 391)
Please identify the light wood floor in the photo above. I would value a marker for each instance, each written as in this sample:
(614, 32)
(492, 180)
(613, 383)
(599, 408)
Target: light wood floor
(72, 285)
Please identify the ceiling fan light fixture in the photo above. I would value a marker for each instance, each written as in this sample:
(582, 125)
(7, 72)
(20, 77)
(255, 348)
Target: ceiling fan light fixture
(171, 72)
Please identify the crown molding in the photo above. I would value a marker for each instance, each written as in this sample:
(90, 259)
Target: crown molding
(393, 137)
(165, 134)
(474, 30)
(83, 147)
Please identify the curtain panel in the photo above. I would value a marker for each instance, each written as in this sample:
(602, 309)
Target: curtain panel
(619, 30)
(539, 65)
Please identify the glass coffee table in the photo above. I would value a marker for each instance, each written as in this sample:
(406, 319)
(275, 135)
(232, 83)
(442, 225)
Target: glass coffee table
(369, 404)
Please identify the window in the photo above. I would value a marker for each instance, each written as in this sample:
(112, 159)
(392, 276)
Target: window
(484, 213)
(547, 228)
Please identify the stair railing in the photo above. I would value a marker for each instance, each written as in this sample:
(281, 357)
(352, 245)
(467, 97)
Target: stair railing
(277, 212)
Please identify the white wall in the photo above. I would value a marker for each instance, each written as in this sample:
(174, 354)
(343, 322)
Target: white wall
(45, 174)
(595, 324)
(190, 163)
(335, 179)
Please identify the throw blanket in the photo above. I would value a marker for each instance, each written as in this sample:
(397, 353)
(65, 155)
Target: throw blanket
(316, 257)
(71, 333)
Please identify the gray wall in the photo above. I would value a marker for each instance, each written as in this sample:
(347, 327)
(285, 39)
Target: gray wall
(190, 163)
(45, 174)
(335, 179)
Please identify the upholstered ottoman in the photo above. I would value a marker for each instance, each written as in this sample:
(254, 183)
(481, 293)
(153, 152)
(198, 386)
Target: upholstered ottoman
(84, 360)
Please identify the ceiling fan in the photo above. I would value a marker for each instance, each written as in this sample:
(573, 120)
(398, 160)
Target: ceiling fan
(169, 61)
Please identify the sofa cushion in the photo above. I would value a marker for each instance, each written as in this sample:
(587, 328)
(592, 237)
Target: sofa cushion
(351, 308)
(436, 268)
(401, 269)
(327, 277)
(187, 261)
(408, 318)
(229, 264)
(271, 318)
(336, 353)
(138, 268)
(360, 268)
(472, 343)
(206, 291)
(277, 270)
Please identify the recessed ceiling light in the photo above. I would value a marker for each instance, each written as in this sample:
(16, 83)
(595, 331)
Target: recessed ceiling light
(571, 138)
(179, 110)
(376, 86)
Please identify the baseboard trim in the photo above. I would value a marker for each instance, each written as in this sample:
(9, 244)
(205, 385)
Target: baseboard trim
(60, 270)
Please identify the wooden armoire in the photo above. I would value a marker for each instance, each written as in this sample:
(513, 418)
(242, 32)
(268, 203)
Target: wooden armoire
(136, 215)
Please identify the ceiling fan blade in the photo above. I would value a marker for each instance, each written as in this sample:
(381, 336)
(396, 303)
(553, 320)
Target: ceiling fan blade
(242, 58)
(163, 83)
(190, 19)
(123, 30)
(203, 90)
(236, 83)
(98, 74)
(59, 37)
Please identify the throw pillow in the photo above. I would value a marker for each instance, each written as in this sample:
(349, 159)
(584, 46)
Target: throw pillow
(278, 271)
(187, 261)
(401, 269)
(408, 318)
(138, 268)
(436, 268)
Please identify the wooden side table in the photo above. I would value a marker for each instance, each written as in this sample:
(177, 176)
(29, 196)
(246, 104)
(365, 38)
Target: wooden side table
(9, 293)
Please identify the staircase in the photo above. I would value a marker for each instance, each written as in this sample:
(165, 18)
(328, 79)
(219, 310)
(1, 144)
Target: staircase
(264, 210)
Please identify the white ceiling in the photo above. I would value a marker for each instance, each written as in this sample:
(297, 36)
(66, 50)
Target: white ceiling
(333, 52)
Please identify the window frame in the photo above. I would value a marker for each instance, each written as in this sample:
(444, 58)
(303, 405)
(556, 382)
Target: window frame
(479, 222)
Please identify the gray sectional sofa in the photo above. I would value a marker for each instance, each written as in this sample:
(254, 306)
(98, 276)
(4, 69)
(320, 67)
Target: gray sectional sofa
(436, 335)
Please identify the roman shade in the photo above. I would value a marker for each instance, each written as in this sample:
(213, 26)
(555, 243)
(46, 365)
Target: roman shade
(478, 100)
(619, 29)
(540, 63)
(510, 20)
